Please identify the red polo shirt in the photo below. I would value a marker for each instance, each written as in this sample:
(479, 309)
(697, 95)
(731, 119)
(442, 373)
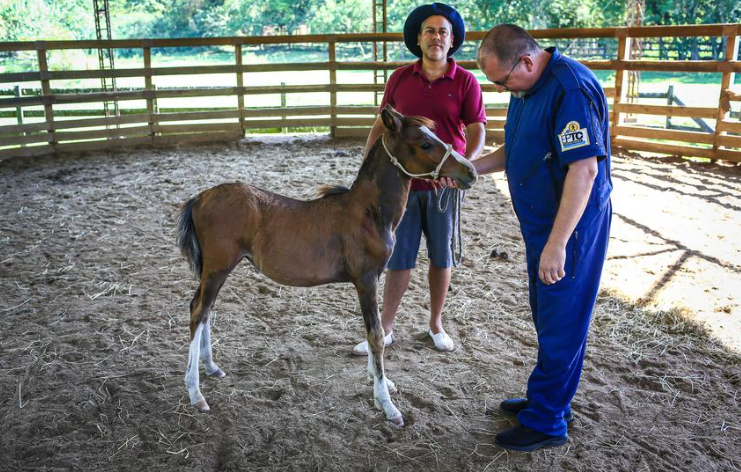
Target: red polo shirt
(453, 102)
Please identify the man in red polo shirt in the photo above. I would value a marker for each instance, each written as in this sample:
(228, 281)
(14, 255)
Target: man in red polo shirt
(437, 88)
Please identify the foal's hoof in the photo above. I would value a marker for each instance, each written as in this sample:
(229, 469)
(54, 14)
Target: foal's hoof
(218, 373)
(397, 421)
(201, 405)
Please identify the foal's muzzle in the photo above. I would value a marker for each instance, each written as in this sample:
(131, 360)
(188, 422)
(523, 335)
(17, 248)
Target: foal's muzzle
(466, 174)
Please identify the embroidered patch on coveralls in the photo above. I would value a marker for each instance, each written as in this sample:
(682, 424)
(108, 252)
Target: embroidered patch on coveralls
(573, 136)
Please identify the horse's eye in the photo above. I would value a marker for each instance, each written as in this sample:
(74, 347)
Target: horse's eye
(426, 146)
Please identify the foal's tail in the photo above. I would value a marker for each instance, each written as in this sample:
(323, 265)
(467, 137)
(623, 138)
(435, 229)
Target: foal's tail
(187, 237)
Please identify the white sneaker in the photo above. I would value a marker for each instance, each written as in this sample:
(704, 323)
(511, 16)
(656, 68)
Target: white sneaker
(362, 348)
(442, 341)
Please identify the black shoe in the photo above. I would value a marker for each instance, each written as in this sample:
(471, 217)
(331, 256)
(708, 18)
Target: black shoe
(516, 405)
(525, 439)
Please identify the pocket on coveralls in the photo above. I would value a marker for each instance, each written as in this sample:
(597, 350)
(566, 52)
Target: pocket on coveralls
(575, 255)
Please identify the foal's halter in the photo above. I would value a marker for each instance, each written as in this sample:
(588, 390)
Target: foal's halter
(434, 174)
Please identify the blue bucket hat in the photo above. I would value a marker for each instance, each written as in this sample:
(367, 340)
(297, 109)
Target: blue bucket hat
(414, 23)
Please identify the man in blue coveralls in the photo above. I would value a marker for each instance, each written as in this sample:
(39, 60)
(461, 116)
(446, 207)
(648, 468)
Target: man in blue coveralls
(556, 155)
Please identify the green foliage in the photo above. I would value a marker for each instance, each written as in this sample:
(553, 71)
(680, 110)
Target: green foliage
(341, 16)
(567, 14)
(30, 20)
(137, 18)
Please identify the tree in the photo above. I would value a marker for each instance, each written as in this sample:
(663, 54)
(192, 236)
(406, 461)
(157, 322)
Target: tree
(26, 20)
(341, 16)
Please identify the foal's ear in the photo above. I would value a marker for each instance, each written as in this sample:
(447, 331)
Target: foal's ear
(391, 119)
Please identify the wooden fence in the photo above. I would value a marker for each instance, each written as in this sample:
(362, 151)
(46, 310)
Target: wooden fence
(158, 126)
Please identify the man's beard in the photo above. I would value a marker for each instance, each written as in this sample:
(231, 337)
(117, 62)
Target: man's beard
(440, 55)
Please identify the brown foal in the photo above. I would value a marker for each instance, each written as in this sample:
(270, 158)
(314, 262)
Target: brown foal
(347, 235)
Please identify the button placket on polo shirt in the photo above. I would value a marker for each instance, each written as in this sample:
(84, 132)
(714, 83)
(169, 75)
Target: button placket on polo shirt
(427, 85)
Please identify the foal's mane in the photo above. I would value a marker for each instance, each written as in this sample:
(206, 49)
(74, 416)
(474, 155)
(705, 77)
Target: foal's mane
(325, 191)
(329, 190)
(418, 121)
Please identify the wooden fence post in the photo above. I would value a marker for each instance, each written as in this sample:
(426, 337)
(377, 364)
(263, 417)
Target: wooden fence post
(156, 105)
(283, 104)
(670, 102)
(19, 109)
(623, 52)
(724, 103)
(148, 84)
(333, 85)
(240, 82)
(46, 92)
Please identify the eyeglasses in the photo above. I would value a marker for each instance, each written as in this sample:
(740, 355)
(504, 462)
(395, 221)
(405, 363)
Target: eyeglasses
(502, 82)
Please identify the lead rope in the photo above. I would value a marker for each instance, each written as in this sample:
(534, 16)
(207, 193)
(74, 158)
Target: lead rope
(457, 237)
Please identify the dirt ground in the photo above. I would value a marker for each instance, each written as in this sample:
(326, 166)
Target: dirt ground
(94, 338)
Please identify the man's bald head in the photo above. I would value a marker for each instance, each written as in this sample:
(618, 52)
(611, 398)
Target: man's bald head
(507, 43)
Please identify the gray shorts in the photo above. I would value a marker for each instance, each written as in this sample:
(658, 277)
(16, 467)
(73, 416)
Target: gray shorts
(423, 216)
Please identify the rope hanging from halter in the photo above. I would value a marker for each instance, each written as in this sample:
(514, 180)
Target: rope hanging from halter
(457, 237)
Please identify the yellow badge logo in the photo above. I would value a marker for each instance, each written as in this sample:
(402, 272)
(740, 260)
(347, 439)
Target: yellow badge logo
(573, 126)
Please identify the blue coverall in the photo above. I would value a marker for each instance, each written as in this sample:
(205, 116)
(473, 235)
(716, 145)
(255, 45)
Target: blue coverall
(561, 119)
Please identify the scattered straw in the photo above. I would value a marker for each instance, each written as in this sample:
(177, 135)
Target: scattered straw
(645, 332)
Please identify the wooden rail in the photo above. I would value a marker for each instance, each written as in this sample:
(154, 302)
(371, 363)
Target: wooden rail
(153, 124)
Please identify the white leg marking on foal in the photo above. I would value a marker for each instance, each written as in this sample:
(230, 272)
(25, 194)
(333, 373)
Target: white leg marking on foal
(381, 397)
(371, 367)
(191, 374)
(391, 386)
(207, 355)
(372, 375)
